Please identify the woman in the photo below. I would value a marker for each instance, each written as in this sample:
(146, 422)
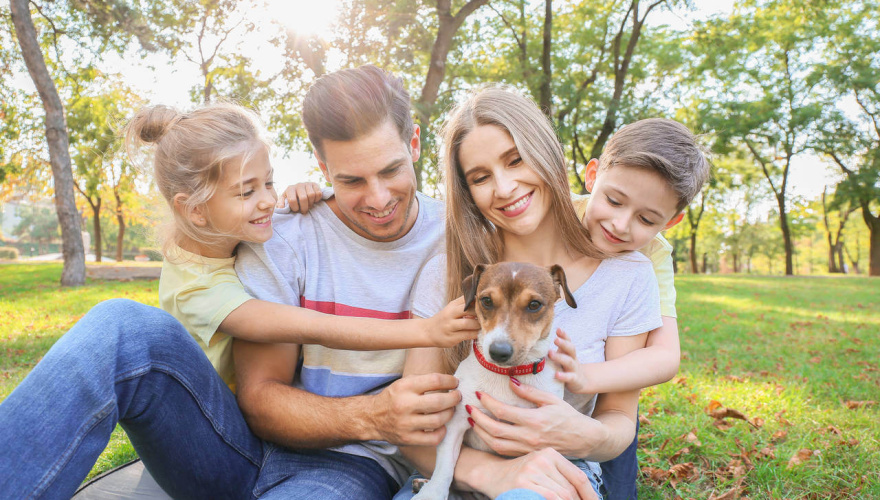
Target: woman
(508, 200)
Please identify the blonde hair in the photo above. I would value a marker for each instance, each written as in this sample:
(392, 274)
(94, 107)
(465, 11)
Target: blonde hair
(189, 153)
(472, 239)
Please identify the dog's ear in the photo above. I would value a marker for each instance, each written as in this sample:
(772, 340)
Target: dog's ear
(469, 286)
(559, 278)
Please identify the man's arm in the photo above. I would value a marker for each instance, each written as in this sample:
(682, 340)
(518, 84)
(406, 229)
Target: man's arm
(406, 412)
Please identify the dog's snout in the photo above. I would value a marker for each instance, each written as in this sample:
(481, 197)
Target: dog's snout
(500, 351)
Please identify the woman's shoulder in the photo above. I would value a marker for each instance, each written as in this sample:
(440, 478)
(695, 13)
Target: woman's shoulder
(628, 267)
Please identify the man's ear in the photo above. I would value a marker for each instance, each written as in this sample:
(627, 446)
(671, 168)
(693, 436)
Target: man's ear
(415, 143)
(590, 174)
(196, 216)
(323, 166)
(675, 220)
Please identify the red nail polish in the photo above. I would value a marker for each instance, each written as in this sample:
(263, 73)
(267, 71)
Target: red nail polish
(471, 421)
(515, 381)
(478, 394)
(469, 409)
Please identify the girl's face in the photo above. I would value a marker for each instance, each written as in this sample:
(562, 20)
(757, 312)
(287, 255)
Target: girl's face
(243, 203)
(506, 190)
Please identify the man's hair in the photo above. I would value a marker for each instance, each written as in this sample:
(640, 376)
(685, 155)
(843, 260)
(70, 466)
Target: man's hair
(346, 104)
(663, 146)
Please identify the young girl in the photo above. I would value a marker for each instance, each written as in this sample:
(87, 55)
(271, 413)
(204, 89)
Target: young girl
(212, 167)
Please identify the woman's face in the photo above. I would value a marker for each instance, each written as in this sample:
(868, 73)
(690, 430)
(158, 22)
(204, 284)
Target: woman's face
(506, 190)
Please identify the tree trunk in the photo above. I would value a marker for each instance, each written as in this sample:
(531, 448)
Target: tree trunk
(693, 253)
(448, 24)
(74, 270)
(705, 261)
(832, 257)
(96, 228)
(786, 235)
(874, 250)
(120, 221)
(545, 95)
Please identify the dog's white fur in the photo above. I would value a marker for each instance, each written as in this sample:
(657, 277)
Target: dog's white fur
(472, 378)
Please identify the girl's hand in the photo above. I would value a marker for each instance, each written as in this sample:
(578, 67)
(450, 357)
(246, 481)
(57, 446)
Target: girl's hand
(300, 197)
(570, 371)
(546, 472)
(515, 431)
(451, 326)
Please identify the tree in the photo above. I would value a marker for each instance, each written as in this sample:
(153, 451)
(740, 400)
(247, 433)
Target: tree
(835, 241)
(74, 269)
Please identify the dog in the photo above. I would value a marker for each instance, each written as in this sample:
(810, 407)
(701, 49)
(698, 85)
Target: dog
(514, 304)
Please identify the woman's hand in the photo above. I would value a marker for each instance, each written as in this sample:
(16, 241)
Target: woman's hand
(451, 326)
(516, 431)
(545, 472)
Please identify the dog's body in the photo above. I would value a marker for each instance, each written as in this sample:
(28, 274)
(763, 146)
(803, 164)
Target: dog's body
(514, 303)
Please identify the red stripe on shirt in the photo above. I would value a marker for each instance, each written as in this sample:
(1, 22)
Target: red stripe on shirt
(344, 310)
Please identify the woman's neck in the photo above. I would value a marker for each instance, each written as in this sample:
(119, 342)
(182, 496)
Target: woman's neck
(543, 247)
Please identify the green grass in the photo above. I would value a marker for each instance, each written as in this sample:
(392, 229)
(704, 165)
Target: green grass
(788, 353)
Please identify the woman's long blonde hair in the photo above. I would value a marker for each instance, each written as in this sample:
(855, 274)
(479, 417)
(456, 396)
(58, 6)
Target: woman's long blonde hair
(189, 152)
(472, 239)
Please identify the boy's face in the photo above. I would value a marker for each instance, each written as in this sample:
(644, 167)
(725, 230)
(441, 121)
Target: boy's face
(628, 207)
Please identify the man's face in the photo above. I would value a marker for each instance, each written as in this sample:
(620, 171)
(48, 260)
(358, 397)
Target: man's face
(374, 182)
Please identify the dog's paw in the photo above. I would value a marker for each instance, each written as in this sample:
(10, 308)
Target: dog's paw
(431, 491)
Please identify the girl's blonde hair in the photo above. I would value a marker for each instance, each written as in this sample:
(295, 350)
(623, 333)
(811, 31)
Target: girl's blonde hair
(472, 239)
(189, 153)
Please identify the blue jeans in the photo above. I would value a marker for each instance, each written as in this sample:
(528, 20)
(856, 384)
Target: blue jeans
(133, 364)
(621, 473)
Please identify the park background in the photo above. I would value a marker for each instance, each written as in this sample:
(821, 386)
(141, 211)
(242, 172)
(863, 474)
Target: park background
(779, 381)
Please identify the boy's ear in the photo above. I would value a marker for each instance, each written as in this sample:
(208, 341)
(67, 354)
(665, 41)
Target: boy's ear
(590, 174)
(197, 216)
(675, 220)
(415, 143)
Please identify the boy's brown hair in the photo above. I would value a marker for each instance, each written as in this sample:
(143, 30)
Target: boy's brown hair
(663, 146)
(346, 104)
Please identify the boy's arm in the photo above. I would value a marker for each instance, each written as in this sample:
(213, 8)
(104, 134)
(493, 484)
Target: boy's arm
(262, 321)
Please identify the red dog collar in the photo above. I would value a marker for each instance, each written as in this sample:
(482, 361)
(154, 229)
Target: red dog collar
(529, 369)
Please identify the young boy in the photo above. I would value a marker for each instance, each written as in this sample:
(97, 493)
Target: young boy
(648, 173)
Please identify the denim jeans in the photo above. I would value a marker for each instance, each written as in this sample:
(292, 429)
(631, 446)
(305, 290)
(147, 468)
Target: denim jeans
(133, 364)
(621, 473)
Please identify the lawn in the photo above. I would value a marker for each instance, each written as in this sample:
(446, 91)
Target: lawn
(776, 398)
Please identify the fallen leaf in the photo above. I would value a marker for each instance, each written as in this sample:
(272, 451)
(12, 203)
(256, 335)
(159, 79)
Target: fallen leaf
(712, 405)
(757, 422)
(643, 420)
(779, 436)
(767, 452)
(692, 398)
(815, 359)
(722, 425)
(681, 472)
(680, 381)
(693, 439)
(832, 430)
(675, 456)
(727, 412)
(852, 405)
(655, 475)
(800, 457)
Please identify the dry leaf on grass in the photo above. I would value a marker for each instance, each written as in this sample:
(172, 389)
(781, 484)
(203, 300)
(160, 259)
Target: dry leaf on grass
(692, 438)
(779, 436)
(852, 405)
(712, 405)
(681, 472)
(722, 425)
(655, 475)
(643, 420)
(800, 457)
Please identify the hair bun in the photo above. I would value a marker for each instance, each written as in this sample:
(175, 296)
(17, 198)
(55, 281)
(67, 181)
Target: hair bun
(153, 122)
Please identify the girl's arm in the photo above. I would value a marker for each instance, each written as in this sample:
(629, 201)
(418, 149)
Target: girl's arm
(654, 364)
(261, 321)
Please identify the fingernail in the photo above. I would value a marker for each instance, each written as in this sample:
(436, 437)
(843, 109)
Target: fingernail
(471, 421)
(515, 381)
(469, 409)
(478, 394)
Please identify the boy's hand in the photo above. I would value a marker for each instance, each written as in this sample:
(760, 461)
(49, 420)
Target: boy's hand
(570, 371)
(300, 197)
(451, 326)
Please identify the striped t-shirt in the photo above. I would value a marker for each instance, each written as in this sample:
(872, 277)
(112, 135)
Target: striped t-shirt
(317, 262)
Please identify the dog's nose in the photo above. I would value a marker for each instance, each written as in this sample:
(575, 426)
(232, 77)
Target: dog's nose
(500, 351)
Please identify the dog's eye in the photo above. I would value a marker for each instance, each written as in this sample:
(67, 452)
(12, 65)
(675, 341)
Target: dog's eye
(535, 306)
(487, 302)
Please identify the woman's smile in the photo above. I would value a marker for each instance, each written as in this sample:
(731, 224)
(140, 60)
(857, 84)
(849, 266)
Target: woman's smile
(518, 206)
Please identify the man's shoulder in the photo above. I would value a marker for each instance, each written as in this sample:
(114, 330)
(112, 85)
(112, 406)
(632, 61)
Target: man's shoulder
(432, 208)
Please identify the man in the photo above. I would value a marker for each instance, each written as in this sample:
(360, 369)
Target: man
(358, 254)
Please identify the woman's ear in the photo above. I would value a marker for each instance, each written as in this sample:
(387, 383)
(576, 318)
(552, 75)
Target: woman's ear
(196, 216)
(590, 174)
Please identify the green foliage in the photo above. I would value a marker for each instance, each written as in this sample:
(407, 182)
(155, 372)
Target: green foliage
(9, 253)
(154, 254)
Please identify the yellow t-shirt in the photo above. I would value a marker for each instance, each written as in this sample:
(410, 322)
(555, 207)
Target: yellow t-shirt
(658, 250)
(200, 292)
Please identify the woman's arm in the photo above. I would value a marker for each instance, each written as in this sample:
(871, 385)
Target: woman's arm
(654, 364)
(261, 321)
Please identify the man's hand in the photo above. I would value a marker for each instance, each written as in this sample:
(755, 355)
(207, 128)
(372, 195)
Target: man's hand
(300, 197)
(450, 326)
(570, 372)
(411, 411)
(546, 472)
